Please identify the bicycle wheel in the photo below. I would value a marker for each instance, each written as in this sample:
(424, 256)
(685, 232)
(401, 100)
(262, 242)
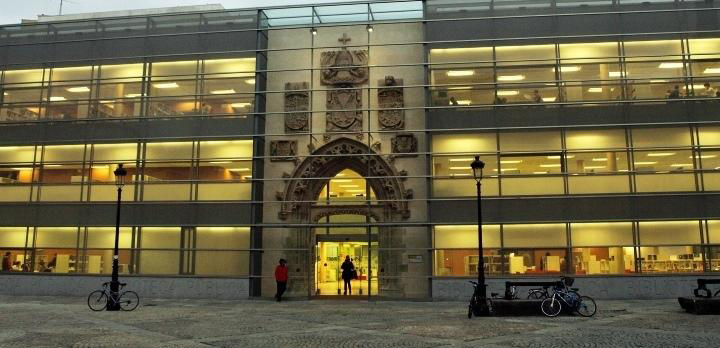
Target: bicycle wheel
(129, 300)
(717, 293)
(97, 300)
(551, 307)
(586, 306)
(537, 295)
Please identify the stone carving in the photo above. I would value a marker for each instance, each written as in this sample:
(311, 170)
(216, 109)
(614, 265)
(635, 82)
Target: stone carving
(283, 150)
(344, 112)
(391, 101)
(330, 159)
(405, 145)
(344, 67)
(297, 104)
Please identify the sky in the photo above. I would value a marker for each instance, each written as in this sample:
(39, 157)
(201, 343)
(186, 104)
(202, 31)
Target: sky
(11, 11)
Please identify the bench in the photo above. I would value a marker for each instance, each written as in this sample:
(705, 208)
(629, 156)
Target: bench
(703, 302)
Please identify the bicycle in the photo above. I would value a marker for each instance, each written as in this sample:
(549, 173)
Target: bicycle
(98, 299)
(568, 298)
(538, 294)
(475, 307)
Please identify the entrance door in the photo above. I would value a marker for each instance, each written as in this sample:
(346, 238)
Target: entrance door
(328, 272)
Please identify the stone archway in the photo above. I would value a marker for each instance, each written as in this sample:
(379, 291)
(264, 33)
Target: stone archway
(303, 186)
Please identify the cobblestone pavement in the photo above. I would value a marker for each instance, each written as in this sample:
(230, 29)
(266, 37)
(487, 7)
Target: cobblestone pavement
(67, 322)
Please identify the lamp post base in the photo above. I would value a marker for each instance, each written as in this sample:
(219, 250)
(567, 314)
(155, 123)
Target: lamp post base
(113, 304)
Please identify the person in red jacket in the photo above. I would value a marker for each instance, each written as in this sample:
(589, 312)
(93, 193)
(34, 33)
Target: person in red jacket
(281, 276)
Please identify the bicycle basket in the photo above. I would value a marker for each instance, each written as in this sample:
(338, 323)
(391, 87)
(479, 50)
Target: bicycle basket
(569, 281)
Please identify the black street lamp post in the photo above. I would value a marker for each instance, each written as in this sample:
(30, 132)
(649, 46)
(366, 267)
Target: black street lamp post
(481, 289)
(120, 173)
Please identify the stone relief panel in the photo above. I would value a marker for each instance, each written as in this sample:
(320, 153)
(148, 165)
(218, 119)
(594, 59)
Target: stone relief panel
(297, 106)
(404, 145)
(283, 150)
(344, 67)
(344, 110)
(391, 116)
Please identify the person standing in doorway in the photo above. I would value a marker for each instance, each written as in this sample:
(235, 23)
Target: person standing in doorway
(281, 277)
(348, 269)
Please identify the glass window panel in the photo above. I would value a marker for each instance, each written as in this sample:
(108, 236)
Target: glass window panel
(599, 261)
(22, 95)
(709, 135)
(463, 187)
(649, 50)
(590, 184)
(122, 72)
(704, 48)
(56, 237)
(532, 186)
(466, 236)
(10, 174)
(108, 193)
(595, 139)
(583, 53)
(530, 141)
(669, 232)
(235, 67)
(461, 54)
(17, 154)
(224, 191)
(507, 54)
(13, 237)
(665, 182)
(459, 143)
(166, 192)
(172, 150)
(464, 262)
(601, 233)
(24, 78)
(663, 161)
(671, 259)
(95, 261)
(714, 231)
(60, 193)
(661, 137)
(64, 153)
(536, 261)
(223, 237)
(226, 149)
(165, 70)
(56, 260)
(163, 171)
(104, 237)
(115, 152)
(534, 235)
(459, 165)
(225, 170)
(539, 164)
(64, 173)
(156, 261)
(120, 90)
(597, 162)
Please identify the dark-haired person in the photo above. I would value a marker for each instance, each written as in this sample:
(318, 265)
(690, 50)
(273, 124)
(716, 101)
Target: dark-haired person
(281, 277)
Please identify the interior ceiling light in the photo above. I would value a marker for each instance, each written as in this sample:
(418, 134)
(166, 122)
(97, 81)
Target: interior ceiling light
(507, 93)
(540, 172)
(615, 74)
(52, 99)
(658, 81)
(594, 167)
(239, 105)
(670, 65)
(549, 165)
(549, 99)
(239, 169)
(644, 163)
(711, 71)
(569, 69)
(511, 161)
(705, 156)
(78, 89)
(461, 160)
(511, 77)
(250, 81)
(223, 91)
(459, 168)
(681, 165)
(166, 85)
(456, 73)
(463, 102)
(660, 154)
(133, 95)
(595, 89)
(600, 159)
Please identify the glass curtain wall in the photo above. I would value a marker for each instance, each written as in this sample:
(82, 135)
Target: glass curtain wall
(580, 73)
(208, 87)
(200, 251)
(579, 161)
(205, 170)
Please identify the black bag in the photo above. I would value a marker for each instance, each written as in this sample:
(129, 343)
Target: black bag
(353, 274)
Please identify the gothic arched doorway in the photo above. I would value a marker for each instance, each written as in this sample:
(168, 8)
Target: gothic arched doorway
(344, 198)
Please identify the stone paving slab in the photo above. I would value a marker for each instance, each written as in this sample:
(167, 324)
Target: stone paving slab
(67, 322)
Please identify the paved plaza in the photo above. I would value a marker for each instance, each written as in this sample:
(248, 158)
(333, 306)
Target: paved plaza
(67, 322)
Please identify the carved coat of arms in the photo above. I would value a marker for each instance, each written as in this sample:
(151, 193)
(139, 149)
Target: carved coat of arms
(405, 144)
(297, 104)
(283, 150)
(391, 101)
(344, 112)
(344, 67)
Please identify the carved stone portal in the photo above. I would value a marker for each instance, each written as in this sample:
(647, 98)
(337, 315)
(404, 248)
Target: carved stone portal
(404, 145)
(344, 112)
(391, 101)
(344, 67)
(297, 104)
(283, 150)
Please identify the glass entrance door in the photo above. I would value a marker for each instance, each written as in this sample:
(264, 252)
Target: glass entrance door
(328, 270)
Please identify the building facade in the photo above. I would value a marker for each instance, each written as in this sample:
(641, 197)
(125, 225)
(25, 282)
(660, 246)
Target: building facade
(313, 133)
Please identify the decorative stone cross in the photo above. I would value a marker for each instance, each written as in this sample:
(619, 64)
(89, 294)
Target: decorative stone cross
(344, 39)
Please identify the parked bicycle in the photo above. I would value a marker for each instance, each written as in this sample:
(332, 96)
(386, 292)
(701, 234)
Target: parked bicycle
(565, 297)
(538, 294)
(476, 307)
(127, 300)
